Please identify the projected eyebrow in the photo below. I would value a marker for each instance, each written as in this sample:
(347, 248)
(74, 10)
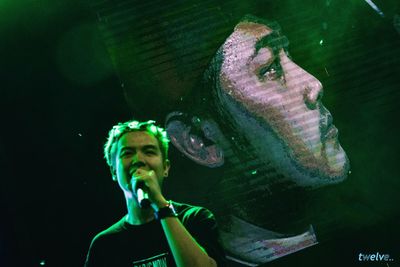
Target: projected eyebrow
(275, 41)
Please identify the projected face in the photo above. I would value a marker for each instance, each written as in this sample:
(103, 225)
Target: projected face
(273, 104)
(267, 85)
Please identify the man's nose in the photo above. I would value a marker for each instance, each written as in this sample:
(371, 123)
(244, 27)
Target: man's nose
(138, 160)
(313, 91)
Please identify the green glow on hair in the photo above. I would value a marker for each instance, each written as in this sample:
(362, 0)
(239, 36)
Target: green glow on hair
(153, 129)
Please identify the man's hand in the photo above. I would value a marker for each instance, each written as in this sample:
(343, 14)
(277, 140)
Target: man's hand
(149, 183)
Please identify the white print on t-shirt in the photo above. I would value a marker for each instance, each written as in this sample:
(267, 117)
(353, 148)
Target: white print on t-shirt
(156, 261)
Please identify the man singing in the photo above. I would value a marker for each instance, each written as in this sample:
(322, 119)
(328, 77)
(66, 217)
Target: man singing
(155, 232)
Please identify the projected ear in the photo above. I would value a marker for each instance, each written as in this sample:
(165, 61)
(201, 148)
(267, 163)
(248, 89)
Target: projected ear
(195, 139)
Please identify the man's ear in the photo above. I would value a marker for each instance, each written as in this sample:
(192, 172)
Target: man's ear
(195, 138)
(167, 165)
(113, 173)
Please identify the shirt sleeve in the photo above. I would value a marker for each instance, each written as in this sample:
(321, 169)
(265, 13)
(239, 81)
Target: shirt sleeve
(94, 255)
(201, 224)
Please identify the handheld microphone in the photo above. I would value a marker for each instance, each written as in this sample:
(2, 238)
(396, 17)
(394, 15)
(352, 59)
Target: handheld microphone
(142, 197)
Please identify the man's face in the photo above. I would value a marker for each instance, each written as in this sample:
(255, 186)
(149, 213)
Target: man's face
(273, 101)
(138, 150)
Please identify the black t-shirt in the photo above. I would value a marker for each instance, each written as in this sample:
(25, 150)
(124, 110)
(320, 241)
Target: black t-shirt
(145, 245)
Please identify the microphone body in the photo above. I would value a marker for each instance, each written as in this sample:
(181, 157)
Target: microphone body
(143, 197)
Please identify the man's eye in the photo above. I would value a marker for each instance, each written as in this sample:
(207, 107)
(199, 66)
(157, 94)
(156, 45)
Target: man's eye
(126, 153)
(150, 152)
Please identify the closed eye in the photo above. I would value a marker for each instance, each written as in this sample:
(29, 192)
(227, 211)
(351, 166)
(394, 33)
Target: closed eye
(150, 152)
(126, 153)
(271, 72)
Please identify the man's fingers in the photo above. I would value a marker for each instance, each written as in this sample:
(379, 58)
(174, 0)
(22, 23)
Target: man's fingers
(141, 178)
(142, 172)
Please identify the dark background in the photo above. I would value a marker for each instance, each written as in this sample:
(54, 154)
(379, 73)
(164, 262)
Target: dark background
(60, 94)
